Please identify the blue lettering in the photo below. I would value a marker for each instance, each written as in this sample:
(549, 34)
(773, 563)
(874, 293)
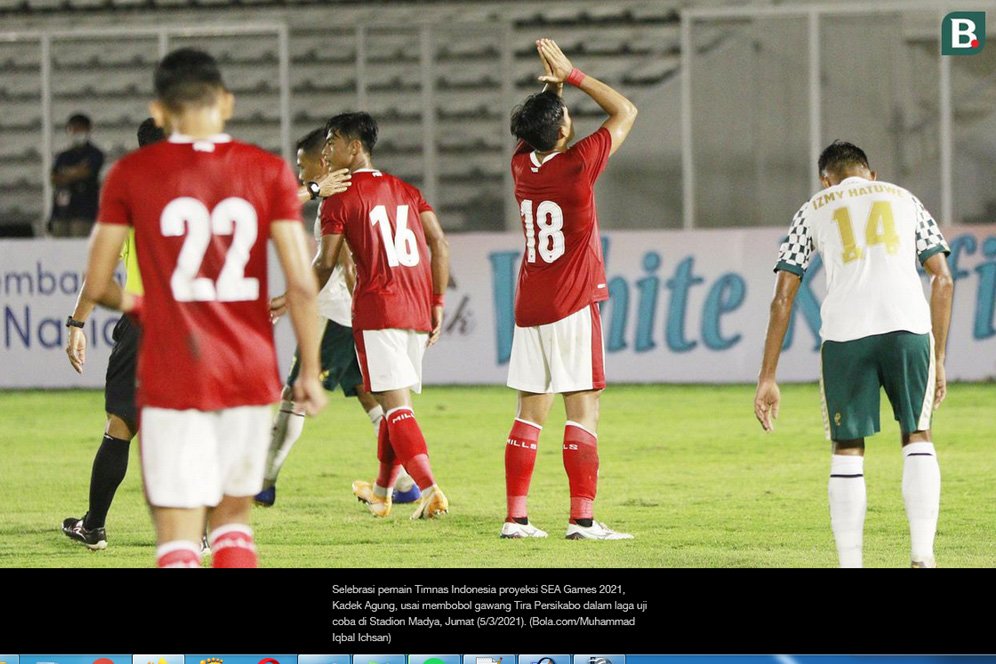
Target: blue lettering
(10, 320)
(649, 287)
(503, 273)
(55, 340)
(69, 283)
(806, 302)
(961, 243)
(985, 299)
(726, 295)
(679, 285)
(619, 301)
(45, 277)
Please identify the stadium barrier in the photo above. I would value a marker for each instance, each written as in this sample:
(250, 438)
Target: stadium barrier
(685, 307)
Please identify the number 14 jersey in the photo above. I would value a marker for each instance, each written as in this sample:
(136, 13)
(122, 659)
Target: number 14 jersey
(562, 269)
(379, 217)
(870, 235)
(202, 210)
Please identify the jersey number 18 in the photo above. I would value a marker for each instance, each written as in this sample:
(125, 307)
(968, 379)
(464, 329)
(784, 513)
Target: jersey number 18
(550, 224)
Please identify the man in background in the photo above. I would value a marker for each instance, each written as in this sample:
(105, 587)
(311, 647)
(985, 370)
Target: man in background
(76, 181)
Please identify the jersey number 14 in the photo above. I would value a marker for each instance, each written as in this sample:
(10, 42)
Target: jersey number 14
(879, 229)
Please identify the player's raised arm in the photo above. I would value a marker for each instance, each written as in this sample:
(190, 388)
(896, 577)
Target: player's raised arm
(941, 293)
(99, 285)
(288, 239)
(439, 247)
(767, 397)
(621, 111)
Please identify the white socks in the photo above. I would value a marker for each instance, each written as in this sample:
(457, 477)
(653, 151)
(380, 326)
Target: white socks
(848, 501)
(922, 495)
(287, 428)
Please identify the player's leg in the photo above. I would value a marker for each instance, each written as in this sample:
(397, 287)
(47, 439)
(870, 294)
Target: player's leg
(242, 444)
(391, 363)
(848, 499)
(183, 474)
(288, 424)
(520, 460)
(405, 489)
(849, 387)
(529, 375)
(907, 366)
(110, 464)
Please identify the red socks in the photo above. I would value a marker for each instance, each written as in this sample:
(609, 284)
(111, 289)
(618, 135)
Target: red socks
(178, 553)
(581, 464)
(520, 459)
(409, 445)
(390, 465)
(232, 546)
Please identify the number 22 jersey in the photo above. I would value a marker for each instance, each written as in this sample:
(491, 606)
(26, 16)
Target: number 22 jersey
(562, 269)
(201, 210)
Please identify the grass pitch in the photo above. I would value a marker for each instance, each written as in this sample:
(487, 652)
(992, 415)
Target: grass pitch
(686, 469)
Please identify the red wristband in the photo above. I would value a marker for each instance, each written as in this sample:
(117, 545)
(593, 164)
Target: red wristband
(437, 300)
(575, 77)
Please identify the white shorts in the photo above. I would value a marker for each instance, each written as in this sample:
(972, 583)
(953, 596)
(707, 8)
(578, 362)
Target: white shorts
(191, 458)
(390, 359)
(564, 356)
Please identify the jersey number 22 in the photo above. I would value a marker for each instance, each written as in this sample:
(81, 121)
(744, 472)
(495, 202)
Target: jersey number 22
(232, 216)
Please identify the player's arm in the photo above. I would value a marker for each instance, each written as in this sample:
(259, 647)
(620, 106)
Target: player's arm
(621, 111)
(329, 251)
(76, 339)
(767, 396)
(329, 184)
(941, 295)
(99, 285)
(440, 250)
(288, 240)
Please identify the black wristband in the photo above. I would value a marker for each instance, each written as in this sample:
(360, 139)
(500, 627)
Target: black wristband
(72, 322)
(313, 189)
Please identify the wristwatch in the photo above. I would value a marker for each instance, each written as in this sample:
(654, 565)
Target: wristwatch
(313, 189)
(72, 322)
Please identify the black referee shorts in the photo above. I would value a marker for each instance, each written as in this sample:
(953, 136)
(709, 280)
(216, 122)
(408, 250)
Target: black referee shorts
(119, 386)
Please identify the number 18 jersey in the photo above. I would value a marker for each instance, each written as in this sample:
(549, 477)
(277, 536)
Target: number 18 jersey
(202, 210)
(870, 235)
(562, 269)
(379, 217)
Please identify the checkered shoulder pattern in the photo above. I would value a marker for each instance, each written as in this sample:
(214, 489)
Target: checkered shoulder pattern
(797, 249)
(929, 240)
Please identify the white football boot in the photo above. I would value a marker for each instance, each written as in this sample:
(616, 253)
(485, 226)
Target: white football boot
(512, 530)
(596, 531)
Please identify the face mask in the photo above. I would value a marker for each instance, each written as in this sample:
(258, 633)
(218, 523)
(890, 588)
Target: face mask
(79, 138)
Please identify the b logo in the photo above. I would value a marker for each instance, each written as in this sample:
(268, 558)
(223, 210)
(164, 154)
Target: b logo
(963, 33)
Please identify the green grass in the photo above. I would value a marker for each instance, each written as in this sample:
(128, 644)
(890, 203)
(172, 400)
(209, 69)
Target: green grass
(685, 468)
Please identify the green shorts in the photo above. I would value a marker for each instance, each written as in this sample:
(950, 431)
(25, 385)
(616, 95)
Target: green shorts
(851, 373)
(338, 357)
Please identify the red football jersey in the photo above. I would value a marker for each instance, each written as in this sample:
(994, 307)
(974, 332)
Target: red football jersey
(202, 212)
(562, 268)
(379, 217)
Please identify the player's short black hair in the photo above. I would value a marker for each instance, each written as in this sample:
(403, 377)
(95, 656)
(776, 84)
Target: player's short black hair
(79, 120)
(312, 142)
(149, 133)
(537, 120)
(188, 76)
(355, 126)
(841, 155)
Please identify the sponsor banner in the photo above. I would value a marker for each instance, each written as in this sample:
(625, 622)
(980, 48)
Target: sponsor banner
(685, 306)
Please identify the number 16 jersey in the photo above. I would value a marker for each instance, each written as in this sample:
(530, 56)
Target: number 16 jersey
(562, 269)
(202, 210)
(379, 217)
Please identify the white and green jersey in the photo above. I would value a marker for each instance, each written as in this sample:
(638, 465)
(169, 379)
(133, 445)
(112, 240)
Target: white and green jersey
(334, 301)
(870, 235)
